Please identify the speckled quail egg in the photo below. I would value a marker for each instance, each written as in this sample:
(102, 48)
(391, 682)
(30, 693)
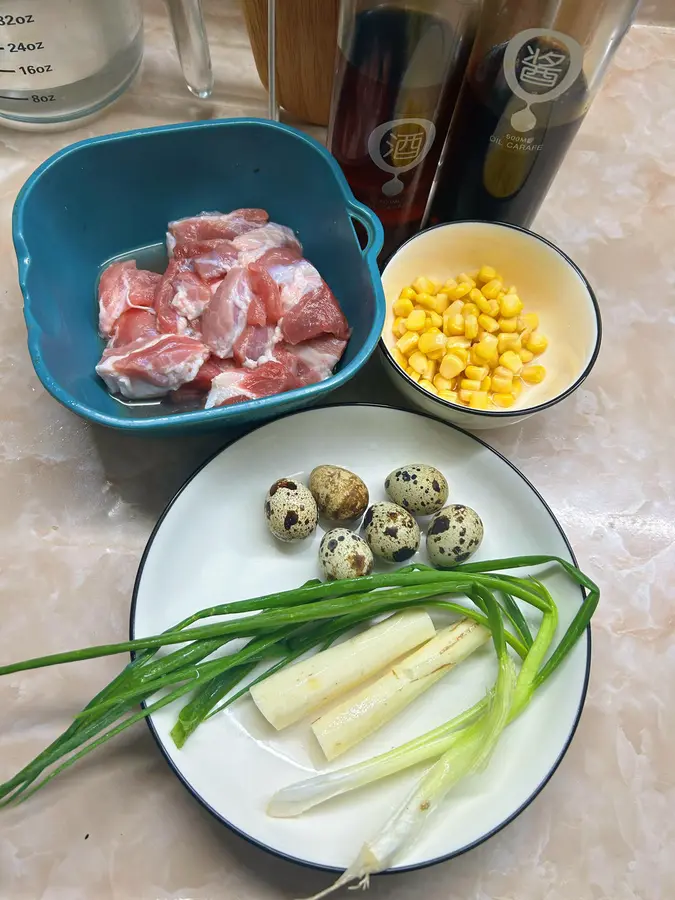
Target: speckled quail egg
(391, 532)
(290, 510)
(419, 488)
(343, 554)
(454, 534)
(340, 494)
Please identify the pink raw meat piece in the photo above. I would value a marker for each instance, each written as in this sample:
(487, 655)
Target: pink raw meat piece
(239, 385)
(169, 320)
(191, 296)
(152, 367)
(212, 367)
(312, 361)
(215, 262)
(133, 324)
(123, 286)
(317, 313)
(257, 313)
(254, 345)
(265, 271)
(256, 243)
(213, 225)
(224, 318)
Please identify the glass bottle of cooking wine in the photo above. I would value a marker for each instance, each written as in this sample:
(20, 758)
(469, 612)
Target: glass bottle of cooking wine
(399, 68)
(534, 69)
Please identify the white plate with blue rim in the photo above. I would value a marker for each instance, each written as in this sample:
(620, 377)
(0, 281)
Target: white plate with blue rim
(212, 545)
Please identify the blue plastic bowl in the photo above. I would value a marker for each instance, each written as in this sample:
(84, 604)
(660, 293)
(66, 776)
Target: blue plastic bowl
(111, 195)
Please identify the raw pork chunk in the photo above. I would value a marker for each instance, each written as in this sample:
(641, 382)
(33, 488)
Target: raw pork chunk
(152, 367)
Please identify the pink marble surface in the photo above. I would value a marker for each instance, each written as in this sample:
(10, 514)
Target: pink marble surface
(78, 504)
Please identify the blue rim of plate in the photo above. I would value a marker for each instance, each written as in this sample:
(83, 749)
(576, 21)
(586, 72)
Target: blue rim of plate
(518, 412)
(287, 856)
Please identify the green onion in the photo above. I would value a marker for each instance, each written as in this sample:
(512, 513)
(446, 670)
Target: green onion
(284, 626)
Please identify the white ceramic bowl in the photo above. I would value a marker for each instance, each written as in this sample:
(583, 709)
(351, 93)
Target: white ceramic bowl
(548, 282)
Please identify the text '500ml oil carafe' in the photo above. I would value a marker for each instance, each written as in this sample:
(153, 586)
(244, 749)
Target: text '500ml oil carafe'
(63, 60)
(534, 70)
(398, 72)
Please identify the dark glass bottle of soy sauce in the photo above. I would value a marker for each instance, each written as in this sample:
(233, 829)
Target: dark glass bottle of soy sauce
(533, 71)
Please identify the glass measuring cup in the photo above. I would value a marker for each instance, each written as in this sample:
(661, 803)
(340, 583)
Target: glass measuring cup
(63, 60)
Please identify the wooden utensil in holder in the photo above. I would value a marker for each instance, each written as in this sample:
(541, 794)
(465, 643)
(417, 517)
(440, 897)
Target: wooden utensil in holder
(305, 53)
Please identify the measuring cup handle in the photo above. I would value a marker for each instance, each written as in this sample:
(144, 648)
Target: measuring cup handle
(371, 224)
(192, 45)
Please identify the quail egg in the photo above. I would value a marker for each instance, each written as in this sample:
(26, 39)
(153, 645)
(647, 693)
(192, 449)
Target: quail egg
(454, 534)
(419, 488)
(343, 554)
(340, 494)
(391, 532)
(290, 510)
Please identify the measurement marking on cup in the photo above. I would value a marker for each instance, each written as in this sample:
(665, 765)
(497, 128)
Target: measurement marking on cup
(5, 97)
(7, 70)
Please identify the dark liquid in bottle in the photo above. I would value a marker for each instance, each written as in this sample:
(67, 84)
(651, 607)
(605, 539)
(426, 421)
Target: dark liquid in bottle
(402, 65)
(489, 169)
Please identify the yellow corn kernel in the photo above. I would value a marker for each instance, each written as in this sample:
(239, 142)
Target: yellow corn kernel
(451, 365)
(449, 286)
(526, 355)
(456, 308)
(486, 273)
(510, 360)
(426, 300)
(455, 325)
(528, 322)
(517, 387)
(430, 370)
(510, 305)
(488, 323)
(408, 342)
(442, 303)
(408, 293)
(483, 304)
(399, 358)
(502, 384)
(418, 362)
(478, 400)
(469, 384)
(462, 289)
(455, 341)
(492, 288)
(470, 309)
(425, 285)
(413, 374)
(504, 400)
(508, 326)
(436, 320)
(428, 386)
(436, 354)
(399, 327)
(493, 361)
(477, 373)
(463, 278)
(416, 320)
(442, 384)
(474, 358)
(533, 374)
(486, 383)
(486, 346)
(465, 396)
(403, 307)
(475, 295)
(470, 327)
(450, 396)
(460, 352)
(512, 290)
(537, 344)
(431, 340)
(508, 342)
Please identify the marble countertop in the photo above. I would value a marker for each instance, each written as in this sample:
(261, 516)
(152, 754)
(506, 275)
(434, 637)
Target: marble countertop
(78, 504)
